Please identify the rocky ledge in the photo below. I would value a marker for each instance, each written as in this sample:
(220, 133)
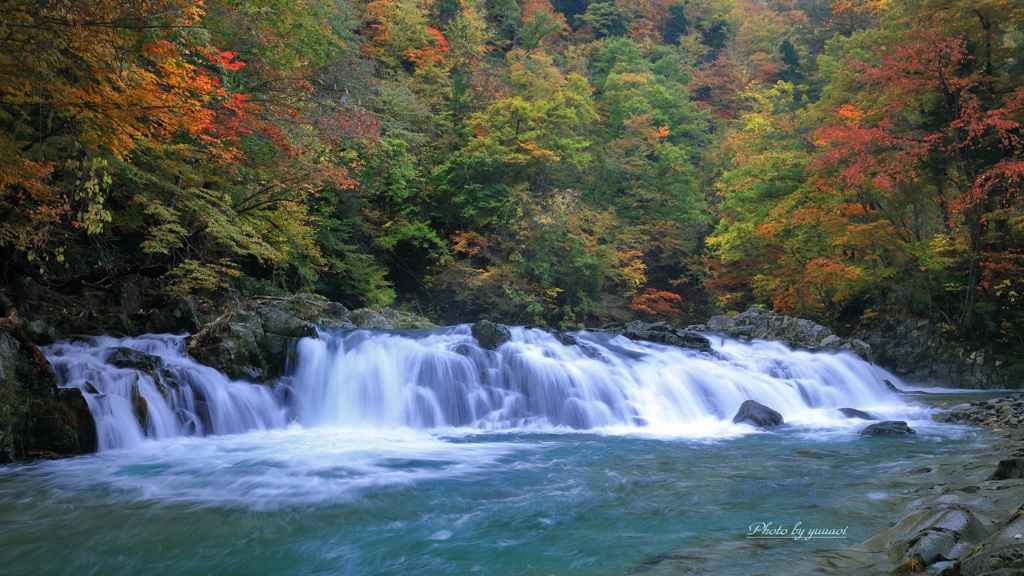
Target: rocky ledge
(37, 418)
(254, 339)
(760, 323)
(1007, 412)
(963, 520)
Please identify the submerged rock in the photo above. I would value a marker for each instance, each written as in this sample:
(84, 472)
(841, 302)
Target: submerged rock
(490, 335)
(888, 428)
(757, 414)
(854, 413)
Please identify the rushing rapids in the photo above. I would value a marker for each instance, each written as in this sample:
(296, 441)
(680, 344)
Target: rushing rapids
(442, 379)
(161, 393)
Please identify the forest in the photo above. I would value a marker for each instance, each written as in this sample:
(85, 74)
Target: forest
(556, 162)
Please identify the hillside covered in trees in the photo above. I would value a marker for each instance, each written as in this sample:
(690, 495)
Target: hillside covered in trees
(565, 162)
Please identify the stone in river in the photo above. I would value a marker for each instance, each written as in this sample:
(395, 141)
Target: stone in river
(888, 428)
(757, 414)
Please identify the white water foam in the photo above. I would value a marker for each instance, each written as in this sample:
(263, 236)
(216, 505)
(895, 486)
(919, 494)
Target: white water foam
(443, 382)
(174, 396)
(442, 379)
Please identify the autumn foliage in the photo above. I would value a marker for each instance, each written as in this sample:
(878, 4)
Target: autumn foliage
(544, 161)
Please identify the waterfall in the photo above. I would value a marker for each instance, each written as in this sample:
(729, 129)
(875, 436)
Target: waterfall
(442, 378)
(147, 387)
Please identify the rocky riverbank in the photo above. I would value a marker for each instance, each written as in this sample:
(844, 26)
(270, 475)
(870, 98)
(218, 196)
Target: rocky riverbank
(963, 519)
(1005, 412)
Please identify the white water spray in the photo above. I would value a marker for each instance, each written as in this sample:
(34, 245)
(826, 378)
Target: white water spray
(442, 380)
(172, 396)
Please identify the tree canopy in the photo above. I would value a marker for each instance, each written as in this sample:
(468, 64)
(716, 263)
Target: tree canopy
(552, 161)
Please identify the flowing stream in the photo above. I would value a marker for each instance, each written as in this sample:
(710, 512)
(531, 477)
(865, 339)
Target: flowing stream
(421, 453)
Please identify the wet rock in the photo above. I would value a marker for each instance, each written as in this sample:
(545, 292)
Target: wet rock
(661, 333)
(693, 341)
(490, 335)
(129, 358)
(37, 418)
(888, 428)
(892, 387)
(854, 413)
(230, 343)
(369, 319)
(280, 323)
(1010, 468)
(945, 535)
(1005, 560)
(566, 339)
(757, 414)
(140, 407)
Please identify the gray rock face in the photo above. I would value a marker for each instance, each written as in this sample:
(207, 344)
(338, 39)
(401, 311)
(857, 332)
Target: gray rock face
(275, 321)
(37, 418)
(661, 333)
(230, 344)
(762, 324)
(914, 349)
(490, 335)
(935, 535)
(757, 414)
(888, 428)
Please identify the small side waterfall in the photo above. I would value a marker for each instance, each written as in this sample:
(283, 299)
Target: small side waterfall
(443, 379)
(146, 387)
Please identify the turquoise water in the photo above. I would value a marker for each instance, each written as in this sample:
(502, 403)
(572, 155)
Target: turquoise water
(341, 501)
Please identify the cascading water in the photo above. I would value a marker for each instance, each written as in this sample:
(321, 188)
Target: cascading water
(441, 379)
(420, 452)
(147, 387)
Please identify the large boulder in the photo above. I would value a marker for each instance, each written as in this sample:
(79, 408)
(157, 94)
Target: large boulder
(490, 335)
(938, 533)
(1009, 469)
(37, 418)
(888, 428)
(757, 414)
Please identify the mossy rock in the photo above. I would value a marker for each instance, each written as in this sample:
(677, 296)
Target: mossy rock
(37, 418)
